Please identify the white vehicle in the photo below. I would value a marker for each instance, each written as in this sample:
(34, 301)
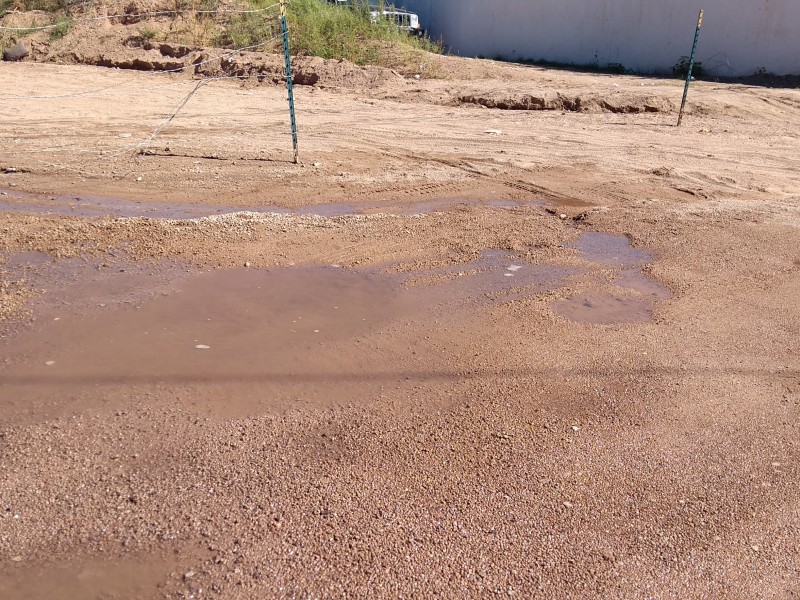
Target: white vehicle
(404, 19)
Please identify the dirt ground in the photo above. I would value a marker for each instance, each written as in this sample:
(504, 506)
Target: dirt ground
(505, 332)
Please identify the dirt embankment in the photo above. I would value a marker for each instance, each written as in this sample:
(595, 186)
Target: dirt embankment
(629, 103)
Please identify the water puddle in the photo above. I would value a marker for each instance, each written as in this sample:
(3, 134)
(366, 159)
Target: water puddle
(613, 250)
(96, 206)
(249, 341)
(232, 342)
(602, 309)
(27, 260)
(323, 210)
(638, 292)
(637, 281)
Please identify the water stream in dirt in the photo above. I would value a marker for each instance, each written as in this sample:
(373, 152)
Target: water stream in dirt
(97, 206)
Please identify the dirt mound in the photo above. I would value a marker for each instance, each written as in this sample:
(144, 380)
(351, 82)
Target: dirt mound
(306, 70)
(589, 102)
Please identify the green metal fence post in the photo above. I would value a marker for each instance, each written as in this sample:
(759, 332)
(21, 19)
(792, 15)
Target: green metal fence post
(285, 32)
(691, 66)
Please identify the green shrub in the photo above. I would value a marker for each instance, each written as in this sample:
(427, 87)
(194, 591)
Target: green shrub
(147, 34)
(63, 25)
(245, 30)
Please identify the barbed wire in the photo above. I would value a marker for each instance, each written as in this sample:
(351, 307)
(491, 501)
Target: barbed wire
(168, 118)
(132, 16)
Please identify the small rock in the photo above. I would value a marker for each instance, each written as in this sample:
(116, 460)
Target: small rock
(50, 363)
(17, 52)
(188, 575)
(575, 428)
(139, 178)
(755, 548)
(247, 264)
(16, 559)
(493, 132)
(124, 136)
(567, 504)
(562, 216)
(10, 170)
(202, 347)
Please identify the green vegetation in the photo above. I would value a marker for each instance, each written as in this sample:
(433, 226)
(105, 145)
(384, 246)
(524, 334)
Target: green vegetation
(147, 34)
(681, 68)
(63, 25)
(245, 30)
(317, 28)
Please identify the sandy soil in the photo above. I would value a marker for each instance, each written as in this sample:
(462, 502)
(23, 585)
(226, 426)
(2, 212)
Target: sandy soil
(431, 383)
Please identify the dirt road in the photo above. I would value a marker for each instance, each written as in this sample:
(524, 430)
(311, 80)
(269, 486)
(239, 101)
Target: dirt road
(458, 351)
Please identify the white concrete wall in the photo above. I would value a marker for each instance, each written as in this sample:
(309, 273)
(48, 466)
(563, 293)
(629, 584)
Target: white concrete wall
(739, 37)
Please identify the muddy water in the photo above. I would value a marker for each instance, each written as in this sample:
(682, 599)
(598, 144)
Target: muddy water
(97, 206)
(604, 309)
(26, 260)
(638, 292)
(636, 280)
(613, 250)
(229, 342)
(247, 341)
